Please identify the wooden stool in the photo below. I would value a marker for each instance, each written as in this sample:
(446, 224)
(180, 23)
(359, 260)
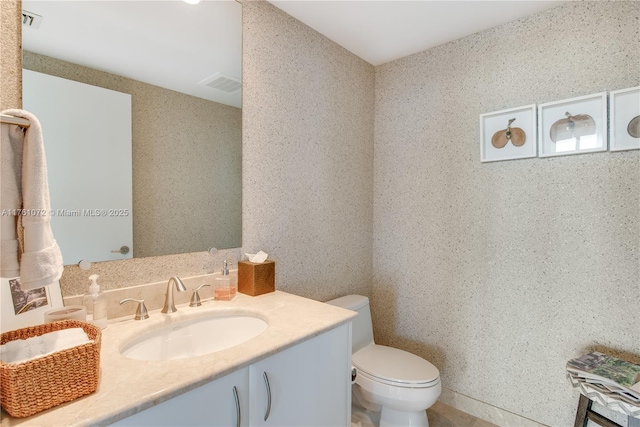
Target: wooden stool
(585, 413)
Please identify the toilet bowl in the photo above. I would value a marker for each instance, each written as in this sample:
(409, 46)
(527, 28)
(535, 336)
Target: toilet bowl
(396, 387)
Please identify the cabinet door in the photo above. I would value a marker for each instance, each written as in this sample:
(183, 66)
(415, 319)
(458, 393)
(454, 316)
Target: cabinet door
(212, 404)
(310, 383)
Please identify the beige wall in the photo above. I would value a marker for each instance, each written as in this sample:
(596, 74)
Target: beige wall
(10, 58)
(308, 155)
(186, 158)
(501, 272)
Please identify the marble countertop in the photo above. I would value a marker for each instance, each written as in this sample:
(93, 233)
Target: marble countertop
(130, 386)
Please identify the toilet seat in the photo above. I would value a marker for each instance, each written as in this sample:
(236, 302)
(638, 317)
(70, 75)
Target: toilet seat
(395, 367)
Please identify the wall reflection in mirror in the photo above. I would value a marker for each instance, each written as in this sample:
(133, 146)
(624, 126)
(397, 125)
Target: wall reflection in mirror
(173, 73)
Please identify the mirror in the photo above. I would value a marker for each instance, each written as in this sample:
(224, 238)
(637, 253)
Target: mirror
(181, 66)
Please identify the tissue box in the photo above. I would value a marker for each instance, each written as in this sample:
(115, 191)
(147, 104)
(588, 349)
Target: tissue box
(256, 278)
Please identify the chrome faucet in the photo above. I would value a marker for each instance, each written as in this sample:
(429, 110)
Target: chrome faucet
(169, 306)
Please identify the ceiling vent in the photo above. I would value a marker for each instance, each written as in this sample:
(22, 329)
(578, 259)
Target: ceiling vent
(222, 82)
(31, 20)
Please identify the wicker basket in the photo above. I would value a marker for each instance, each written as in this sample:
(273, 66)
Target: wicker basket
(33, 386)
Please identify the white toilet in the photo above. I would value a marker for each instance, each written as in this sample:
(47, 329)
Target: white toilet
(392, 385)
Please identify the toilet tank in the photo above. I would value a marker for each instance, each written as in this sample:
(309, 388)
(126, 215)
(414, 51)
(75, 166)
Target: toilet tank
(361, 329)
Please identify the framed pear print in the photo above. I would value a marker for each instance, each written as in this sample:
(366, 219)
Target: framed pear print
(573, 126)
(624, 119)
(508, 134)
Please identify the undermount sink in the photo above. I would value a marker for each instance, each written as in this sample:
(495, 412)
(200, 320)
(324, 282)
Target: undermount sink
(195, 337)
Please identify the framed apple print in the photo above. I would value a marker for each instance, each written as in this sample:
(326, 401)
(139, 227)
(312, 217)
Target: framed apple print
(573, 126)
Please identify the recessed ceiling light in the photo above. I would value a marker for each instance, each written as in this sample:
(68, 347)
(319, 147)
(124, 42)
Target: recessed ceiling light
(191, 1)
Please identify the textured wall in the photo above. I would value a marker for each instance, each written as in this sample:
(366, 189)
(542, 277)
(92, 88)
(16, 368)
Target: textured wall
(187, 161)
(500, 272)
(139, 271)
(308, 155)
(10, 58)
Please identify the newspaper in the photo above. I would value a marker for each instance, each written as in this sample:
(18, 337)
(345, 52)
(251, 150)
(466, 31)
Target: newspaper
(608, 374)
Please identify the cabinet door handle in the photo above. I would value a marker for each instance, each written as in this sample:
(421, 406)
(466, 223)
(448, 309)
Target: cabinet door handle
(235, 396)
(266, 385)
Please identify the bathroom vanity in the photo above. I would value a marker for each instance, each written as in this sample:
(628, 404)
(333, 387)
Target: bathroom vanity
(296, 372)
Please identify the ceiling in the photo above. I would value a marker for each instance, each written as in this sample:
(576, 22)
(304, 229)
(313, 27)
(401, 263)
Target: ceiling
(382, 31)
(165, 43)
(176, 46)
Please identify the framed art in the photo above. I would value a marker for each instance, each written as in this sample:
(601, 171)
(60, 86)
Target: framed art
(508, 134)
(624, 119)
(573, 126)
(21, 308)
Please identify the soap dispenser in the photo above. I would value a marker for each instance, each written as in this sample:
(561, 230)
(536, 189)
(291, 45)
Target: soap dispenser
(225, 286)
(96, 304)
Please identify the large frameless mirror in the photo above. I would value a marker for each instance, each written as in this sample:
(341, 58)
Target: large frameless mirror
(173, 74)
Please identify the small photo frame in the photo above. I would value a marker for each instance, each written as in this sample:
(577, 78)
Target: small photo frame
(624, 119)
(508, 134)
(21, 308)
(573, 126)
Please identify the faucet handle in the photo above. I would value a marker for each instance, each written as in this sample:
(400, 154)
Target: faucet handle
(195, 298)
(141, 312)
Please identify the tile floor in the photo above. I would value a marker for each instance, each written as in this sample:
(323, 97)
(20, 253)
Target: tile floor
(441, 415)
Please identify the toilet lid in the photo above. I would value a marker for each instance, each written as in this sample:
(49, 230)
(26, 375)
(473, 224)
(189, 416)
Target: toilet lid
(392, 364)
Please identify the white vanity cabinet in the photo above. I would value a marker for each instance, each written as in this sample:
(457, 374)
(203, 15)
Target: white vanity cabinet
(212, 404)
(309, 384)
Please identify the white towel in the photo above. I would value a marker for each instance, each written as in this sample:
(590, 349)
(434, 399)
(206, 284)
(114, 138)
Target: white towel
(19, 351)
(24, 186)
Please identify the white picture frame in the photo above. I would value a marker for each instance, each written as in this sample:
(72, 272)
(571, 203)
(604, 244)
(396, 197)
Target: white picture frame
(588, 113)
(16, 313)
(497, 121)
(624, 106)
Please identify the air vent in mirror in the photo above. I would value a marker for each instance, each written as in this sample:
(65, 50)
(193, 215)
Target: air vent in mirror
(223, 82)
